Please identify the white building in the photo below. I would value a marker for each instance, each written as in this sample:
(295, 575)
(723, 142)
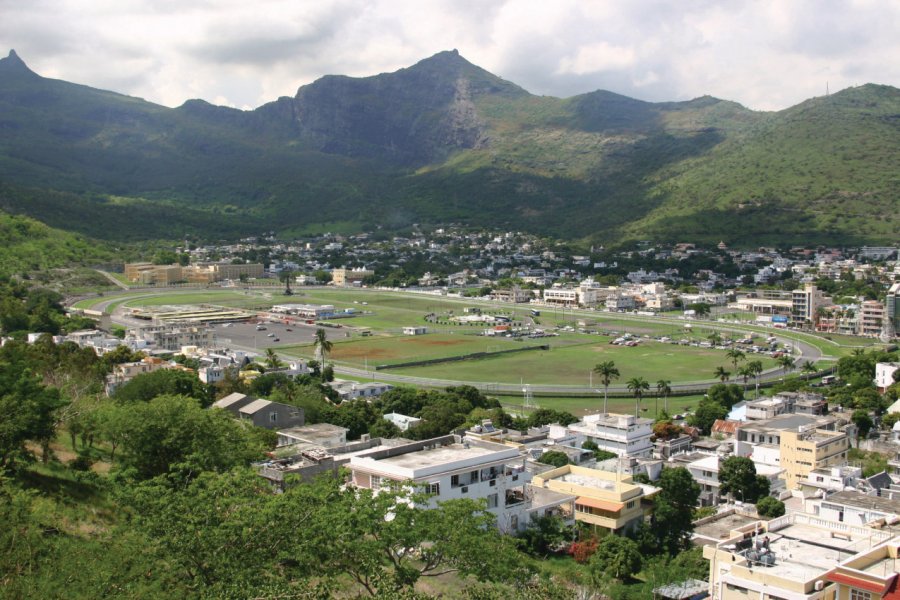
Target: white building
(706, 473)
(884, 375)
(449, 468)
(623, 435)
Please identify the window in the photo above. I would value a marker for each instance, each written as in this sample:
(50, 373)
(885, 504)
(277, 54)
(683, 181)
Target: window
(630, 504)
(492, 501)
(375, 482)
(860, 595)
(273, 417)
(454, 480)
(434, 488)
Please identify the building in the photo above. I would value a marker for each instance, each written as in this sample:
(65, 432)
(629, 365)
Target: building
(804, 303)
(171, 337)
(324, 435)
(403, 422)
(793, 557)
(820, 482)
(260, 412)
(623, 435)
(868, 575)
(449, 467)
(798, 444)
(603, 499)
(786, 403)
(415, 330)
(125, 372)
(705, 472)
(892, 306)
(871, 318)
(855, 508)
(351, 390)
(347, 277)
(884, 375)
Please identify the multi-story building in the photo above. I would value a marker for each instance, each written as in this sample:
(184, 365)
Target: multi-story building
(869, 574)
(796, 443)
(125, 372)
(345, 277)
(786, 403)
(871, 318)
(804, 303)
(172, 337)
(603, 499)
(892, 307)
(623, 435)
(797, 557)
(705, 472)
(451, 467)
(884, 375)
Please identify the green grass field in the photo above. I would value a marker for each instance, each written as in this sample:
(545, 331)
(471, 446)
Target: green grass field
(568, 362)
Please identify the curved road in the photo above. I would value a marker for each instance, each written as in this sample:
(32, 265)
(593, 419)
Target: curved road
(802, 352)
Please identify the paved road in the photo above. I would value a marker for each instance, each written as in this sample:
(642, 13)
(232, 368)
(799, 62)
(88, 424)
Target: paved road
(240, 336)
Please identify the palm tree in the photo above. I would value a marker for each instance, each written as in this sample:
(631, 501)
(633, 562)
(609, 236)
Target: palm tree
(787, 363)
(663, 389)
(808, 367)
(272, 360)
(745, 373)
(735, 355)
(715, 338)
(756, 368)
(607, 372)
(721, 374)
(285, 277)
(322, 345)
(638, 385)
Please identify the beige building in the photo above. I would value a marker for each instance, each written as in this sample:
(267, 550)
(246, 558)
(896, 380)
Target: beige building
(871, 318)
(604, 499)
(150, 274)
(796, 557)
(805, 451)
(346, 276)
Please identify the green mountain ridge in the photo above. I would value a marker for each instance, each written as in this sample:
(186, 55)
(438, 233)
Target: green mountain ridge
(446, 141)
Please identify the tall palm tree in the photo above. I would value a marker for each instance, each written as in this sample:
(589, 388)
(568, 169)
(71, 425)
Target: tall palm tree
(285, 277)
(272, 360)
(322, 345)
(745, 373)
(786, 363)
(735, 355)
(808, 367)
(715, 338)
(637, 385)
(721, 374)
(607, 372)
(756, 367)
(663, 389)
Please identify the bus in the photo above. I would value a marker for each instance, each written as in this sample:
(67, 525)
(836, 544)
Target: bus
(535, 312)
(829, 379)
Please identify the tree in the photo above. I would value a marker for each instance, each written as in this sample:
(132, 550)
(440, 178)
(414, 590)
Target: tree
(637, 385)
(322, 345)
(786, 362)
(672, 521)
(888, 420)
(699, 308)
(147, 386)
(666, 430)
(29, 412)
(863, 423)
(285, 277)
(721, 374)
(616, 557)
(745, 373)
(608, 372)
(545, 535)
(737, 478)
(726, 394)
(171, 432)
(554, 458)
(808, 367)
(663, 389)
(272, 360)
(756, 368)
(735, 355)
(769, 507)
(545, 416)
(708, 412)
(715, 338)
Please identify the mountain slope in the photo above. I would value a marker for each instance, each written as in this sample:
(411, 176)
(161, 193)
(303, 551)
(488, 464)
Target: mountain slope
(445, 140)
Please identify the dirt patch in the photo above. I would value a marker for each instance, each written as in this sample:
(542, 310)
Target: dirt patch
(359, 351)
(427, 342)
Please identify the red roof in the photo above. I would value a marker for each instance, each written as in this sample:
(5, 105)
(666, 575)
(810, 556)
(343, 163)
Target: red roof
(725, 426)
(856, 582)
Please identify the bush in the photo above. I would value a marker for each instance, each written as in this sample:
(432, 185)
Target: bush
(583, 550)
(770, 508)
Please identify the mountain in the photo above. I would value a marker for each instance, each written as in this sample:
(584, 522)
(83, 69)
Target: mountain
(446, 141)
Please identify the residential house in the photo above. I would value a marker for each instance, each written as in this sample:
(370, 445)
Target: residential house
(260, 412)
(623, 435)
(705, 472)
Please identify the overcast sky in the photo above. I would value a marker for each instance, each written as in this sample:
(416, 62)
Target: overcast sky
(765, 54)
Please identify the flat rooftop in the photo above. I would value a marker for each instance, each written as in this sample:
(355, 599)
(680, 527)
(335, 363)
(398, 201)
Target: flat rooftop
(860, 500)
(588, 481)
(715, 531)
(437, 456)
(803, 552)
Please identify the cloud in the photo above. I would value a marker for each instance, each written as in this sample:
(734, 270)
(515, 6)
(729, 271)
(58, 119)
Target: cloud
(766, 54)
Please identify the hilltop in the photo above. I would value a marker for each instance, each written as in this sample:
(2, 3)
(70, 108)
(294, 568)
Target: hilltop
(446, 141)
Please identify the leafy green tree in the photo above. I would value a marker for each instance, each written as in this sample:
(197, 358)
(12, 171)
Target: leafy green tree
(672, 521)
(738, 478)
(769, 507)
(171, 432)
(608, 373)
(383, 428)
(147, 386)
(29, 412)
(726, 395)
(707, 413)
(888, 420)
(616, 557)
(863, 423)
(599, 454)
(546, 535)
(545, 416)
(554, 458)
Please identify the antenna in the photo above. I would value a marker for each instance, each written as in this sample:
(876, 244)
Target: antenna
(528, 397)
(826, 88)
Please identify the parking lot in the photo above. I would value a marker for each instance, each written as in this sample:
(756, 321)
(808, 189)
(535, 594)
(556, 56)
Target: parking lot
(246, 335)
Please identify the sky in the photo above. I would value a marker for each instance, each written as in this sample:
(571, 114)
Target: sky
(765, 54)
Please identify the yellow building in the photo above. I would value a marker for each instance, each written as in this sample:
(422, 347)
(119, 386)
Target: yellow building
(349, 276)
(147, 273)
(803, 451)
(603, 499)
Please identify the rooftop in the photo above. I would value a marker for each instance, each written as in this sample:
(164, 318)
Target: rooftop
(860, 500)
